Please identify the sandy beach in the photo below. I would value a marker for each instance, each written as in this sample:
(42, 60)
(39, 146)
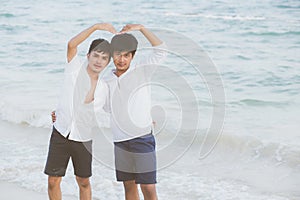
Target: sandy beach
(14, 192)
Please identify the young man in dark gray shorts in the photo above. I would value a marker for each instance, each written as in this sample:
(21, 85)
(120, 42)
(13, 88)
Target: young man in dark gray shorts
(73, 127)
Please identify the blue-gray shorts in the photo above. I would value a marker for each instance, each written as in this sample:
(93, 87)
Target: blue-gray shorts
(135, 159)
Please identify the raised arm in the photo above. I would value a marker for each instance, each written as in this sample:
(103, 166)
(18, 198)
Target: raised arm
(151, 37)
(78, 39)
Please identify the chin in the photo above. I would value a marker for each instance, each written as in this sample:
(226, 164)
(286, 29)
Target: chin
(97, 70)
(122, 68)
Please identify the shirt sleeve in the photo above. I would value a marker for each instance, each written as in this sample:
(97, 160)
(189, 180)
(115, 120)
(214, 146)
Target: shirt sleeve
(100, 101)
(74, 65)
(154, 56)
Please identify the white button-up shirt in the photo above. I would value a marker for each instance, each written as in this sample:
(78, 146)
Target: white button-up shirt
(74, 117)
(128, 97)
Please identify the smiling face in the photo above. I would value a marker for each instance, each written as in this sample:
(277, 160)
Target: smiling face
(97, 61)
(123, 47)
(122, 61)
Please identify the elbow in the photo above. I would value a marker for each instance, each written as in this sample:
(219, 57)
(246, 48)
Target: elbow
(71, 45)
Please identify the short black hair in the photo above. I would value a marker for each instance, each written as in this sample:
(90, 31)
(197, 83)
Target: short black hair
(100, 45)
(124, 42)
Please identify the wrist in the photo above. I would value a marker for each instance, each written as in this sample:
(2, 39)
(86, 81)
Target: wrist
(142, 28)
(98, 26)
(95, 27)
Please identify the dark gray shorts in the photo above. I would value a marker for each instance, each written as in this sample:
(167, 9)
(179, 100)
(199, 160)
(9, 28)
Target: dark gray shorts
(62, 149)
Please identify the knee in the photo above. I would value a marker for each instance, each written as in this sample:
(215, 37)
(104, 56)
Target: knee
(148, 189)
(53, 181)
(83, 182)
(130, 186)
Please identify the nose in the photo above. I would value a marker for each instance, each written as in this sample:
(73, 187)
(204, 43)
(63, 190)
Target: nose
(99, 60)
(121, 59)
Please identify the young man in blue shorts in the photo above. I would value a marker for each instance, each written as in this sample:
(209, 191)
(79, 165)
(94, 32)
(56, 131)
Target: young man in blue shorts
(74, 121)
(128, 96)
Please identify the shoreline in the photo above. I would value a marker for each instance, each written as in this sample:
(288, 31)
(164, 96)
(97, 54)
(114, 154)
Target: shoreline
(24, 152)
(19, 133)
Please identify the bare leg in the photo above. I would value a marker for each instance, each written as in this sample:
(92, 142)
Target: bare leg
(85, 191)
(131, 190)
(149, 191)
(54, 191)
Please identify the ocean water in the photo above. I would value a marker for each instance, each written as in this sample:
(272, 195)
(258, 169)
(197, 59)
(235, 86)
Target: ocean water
(253, 46)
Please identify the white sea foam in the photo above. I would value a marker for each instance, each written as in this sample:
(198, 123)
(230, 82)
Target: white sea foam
(223, 17)
(23, 162)
(231, 170)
